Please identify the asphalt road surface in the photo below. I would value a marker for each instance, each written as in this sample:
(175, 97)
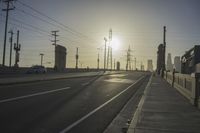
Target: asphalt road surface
(76, 105)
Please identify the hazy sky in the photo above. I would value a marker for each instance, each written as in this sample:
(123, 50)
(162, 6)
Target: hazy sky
(138, 23)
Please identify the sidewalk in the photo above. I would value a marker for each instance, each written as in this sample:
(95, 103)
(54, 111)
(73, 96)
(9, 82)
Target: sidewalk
(44, 77)
(162, 109)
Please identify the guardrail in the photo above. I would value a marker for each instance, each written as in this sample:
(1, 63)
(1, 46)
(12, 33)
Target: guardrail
(187, 85)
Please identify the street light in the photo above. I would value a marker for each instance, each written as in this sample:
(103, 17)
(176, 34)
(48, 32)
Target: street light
(105, 55)
(41, 54)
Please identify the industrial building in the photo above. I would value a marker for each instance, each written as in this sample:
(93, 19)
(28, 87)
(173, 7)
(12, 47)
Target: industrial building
(190, 60)
(60, 58)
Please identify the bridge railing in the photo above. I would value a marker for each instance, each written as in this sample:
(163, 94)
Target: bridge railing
(187, 85)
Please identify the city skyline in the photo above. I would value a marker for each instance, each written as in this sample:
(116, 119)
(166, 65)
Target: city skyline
(135, 23)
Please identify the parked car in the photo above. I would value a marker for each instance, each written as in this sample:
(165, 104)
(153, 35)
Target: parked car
(37, 69)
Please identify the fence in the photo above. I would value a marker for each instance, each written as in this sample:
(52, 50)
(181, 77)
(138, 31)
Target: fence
(187, 85)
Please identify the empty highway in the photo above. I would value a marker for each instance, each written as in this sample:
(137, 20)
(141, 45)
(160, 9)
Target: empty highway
(74, 105)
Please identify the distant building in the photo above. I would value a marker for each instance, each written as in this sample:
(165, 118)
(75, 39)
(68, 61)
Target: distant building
(118, 66)
(160, 58)
(60, 58)
(190, 60)
(177, 63)
(149, 65)
(169, 66)
(142, 67)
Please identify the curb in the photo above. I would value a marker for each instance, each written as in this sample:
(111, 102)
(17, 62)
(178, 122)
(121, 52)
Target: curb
(138, 111)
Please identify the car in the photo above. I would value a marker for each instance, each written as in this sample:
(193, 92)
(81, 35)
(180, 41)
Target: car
(37, 69)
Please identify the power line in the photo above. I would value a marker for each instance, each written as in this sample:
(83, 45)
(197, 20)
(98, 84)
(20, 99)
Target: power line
(39, 30)
(52, 19)
(8, 8)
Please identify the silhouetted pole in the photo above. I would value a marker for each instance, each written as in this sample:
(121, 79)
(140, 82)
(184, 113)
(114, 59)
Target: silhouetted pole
(17, 48)
(6, 25)
(41, 54)
(98, 62)
(105, 54)
(11, 43)
(110, 39)
(164, 43)
(76, 58)
(128, 59)
(108, 55)
(54, 34)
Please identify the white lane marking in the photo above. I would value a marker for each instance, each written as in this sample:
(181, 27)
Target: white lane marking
(32, 95)
(98, 108)
(85, 83)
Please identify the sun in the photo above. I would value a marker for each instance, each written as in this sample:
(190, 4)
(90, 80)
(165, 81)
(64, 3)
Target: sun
(115, 43)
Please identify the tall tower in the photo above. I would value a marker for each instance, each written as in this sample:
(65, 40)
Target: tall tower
(128, 60)
(149, 65)
(169, 62)
(177, 63)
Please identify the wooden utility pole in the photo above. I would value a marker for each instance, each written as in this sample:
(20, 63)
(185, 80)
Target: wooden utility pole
(54, 34)
(8, 8)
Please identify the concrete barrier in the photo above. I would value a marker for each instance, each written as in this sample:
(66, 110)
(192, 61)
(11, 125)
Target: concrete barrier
(187, 85)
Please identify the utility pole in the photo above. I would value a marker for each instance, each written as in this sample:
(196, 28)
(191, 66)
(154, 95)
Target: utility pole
(41, 54)
(11, 43)
(54, 34)
(108, 55)
(8, 8)
(17, 48)
(105, 54)
(110, 39)
(77, 58)
(128, 65)
(98, 62)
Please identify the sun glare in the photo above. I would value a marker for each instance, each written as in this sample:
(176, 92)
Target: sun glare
(115, 43)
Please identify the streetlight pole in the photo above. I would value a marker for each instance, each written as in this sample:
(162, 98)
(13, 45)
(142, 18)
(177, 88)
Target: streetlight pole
(41, 54)
(105, 54)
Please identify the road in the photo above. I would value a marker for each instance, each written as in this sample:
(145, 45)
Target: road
(76, 105)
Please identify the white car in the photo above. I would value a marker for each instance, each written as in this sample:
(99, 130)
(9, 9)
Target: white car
(37, 69)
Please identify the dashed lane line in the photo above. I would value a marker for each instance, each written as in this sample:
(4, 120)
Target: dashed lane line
(32, 95)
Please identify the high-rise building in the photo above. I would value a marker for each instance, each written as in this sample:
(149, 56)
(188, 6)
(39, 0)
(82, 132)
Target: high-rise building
(60, 58)
(169, 63)
(149, 65)
(177, 63)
